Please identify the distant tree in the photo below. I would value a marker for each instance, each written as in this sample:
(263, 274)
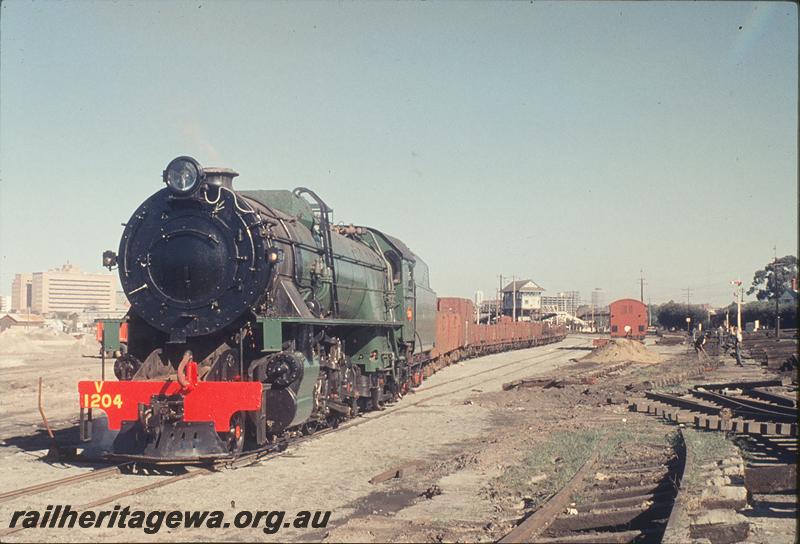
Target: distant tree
(775, 279)
(674, 314)
(653, 311)
(718, 319)
(761, 310)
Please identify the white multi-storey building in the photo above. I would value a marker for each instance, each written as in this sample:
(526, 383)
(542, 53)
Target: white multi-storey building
(67, 289)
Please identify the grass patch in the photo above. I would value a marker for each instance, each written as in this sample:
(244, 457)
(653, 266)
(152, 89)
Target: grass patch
(564, 452)
(675, 389)
(558, 459)
(706, 447)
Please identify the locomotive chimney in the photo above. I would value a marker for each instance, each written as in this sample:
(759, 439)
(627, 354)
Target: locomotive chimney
(220, 177)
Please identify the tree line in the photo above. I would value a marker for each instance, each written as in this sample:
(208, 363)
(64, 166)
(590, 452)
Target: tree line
(673, 314)
(777, 280)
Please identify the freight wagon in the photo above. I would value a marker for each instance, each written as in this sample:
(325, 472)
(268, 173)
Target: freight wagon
(628, 318)
(459, 337)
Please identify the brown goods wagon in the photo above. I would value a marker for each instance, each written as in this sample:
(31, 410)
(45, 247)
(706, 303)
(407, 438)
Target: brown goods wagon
(505, 330)
(453, 321)
(628, 318)
(481, 336)
(484, 335)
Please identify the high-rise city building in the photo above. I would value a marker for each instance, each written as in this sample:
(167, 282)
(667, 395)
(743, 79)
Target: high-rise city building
(21, 292)
(67, 289)
(598, 298)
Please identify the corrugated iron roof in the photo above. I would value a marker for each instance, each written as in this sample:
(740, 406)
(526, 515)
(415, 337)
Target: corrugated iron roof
(25, 318)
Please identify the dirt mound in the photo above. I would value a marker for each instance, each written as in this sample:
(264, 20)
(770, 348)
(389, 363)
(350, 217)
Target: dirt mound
(620, 350)
(21, 341)
(17, 340)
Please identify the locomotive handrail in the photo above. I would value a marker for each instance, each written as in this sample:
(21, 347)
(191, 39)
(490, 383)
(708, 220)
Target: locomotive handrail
(327, 245)
(337, 256)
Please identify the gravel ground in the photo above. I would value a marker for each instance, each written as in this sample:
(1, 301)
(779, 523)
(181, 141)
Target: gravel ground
(331, 472)
(468, 436)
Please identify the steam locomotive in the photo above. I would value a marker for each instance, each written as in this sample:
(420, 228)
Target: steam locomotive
(254, 317)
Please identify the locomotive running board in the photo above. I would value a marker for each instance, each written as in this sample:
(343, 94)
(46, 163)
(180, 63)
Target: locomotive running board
(272, 327)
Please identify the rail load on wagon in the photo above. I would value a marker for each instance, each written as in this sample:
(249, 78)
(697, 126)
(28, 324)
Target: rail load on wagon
(253, 317)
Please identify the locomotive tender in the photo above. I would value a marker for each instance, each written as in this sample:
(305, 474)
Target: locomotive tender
(253, 316)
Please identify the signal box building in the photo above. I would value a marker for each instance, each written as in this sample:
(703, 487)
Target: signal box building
(628, 318)
(523, 297)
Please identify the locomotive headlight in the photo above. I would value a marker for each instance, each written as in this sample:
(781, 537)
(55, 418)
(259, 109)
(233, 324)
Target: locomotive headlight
(183, 175)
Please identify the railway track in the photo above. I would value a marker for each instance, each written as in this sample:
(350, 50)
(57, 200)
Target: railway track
(372, 416)
(180, 474)
(55, 484)
(622, 493)
(100, 474)
(762, 416)
(738, 407)
(177, 474)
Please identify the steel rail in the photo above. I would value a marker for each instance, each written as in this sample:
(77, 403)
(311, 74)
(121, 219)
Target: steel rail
(742, 407)
(740, 385)
(486, 370)
(694, 406)
(674, 400)
(130, 492)
(544, 516)
(771, 397)
(53, 484)
(679, 506)
(762, 405)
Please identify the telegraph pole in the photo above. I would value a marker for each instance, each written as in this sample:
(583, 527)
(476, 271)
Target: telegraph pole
(688, 315)
(514, 298)
(777, 302)
(499, 299)
(738, 295)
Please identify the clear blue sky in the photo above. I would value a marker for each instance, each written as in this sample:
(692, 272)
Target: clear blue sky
(572, 143)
